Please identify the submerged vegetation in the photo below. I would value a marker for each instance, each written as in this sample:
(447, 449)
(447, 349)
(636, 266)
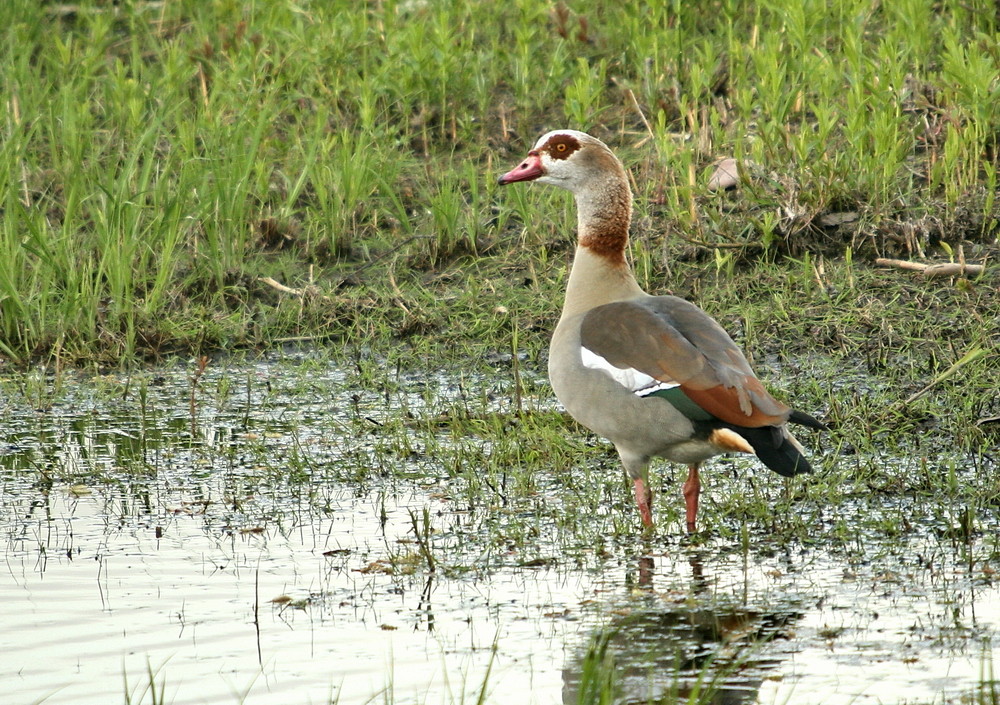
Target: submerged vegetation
(399, 505)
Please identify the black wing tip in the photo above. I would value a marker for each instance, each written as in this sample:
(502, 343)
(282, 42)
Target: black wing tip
(769, 443)
(803, 419)
(785, 459)
(799, 465)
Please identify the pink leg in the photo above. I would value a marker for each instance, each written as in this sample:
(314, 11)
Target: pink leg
(643, 499)
(692, 488)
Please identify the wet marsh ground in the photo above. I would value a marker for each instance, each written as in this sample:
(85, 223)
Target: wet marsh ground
(358, 488)
(314, 530)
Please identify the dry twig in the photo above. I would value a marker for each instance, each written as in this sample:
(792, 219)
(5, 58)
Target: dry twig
(947, 269)
(309, 291)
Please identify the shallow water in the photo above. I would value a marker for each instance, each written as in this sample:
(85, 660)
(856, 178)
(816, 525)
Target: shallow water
(262, 550)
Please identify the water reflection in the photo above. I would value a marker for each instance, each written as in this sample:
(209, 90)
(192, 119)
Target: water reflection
(264, 552)
(681, 646)
(425, 610)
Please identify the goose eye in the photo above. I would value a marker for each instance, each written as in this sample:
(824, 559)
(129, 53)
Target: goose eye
(561, 147)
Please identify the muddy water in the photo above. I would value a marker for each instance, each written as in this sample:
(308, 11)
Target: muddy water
(259, 547)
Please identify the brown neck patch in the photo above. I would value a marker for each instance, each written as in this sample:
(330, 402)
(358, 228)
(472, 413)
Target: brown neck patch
(604, 230)
(606, 239)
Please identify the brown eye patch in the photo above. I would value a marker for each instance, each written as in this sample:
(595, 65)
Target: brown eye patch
(561, 146)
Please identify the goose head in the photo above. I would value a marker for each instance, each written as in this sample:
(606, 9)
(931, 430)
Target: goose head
(568, 159)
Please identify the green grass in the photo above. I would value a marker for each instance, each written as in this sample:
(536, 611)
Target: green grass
(159, 158)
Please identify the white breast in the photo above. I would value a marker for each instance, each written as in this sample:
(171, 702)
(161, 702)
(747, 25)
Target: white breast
(632, 379)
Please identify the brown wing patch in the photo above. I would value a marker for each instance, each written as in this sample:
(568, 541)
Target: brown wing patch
(736, 406)
(561, 146)
(673, 340)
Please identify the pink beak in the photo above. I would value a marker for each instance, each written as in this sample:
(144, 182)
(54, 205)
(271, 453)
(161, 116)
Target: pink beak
(530, 168)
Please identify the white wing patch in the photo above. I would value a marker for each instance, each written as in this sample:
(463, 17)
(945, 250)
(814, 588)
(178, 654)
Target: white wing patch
(637, 382)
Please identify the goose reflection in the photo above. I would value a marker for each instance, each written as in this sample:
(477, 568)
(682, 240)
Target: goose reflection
(682, 645)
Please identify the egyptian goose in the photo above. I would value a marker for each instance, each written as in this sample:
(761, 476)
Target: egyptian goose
(655, 375)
